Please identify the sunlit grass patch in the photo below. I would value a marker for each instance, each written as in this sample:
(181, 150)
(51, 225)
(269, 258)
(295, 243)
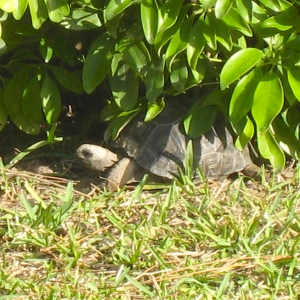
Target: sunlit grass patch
(227, 240)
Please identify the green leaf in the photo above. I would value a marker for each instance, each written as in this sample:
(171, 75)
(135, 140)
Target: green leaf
(189, 161)
(3, 16)
(124, 84)
(50, 100)
(179, 74)
(136, 55)
(284, 4)
(113, 25)
(115, 7)
(284, 20)
(272, 4)
(196, 44)
(81, 18)
(293, 74)
(149, 16)
(286, 138)
(32, 106)
(258, 14)
(242, 97)
(269, 149)
(238, 64)
(20, 10)
(38, 11)
(169, 13)
(293, 43)
(215, 98)
(199, 119)
(118, 124)
(179, 41)
(57, 9)
(198, 72)
(23, 101)
(262, 144)
(207, 4)
(3, 46)
(267, 101)
(154, 109)
(45, 50)
(209, 31)
(223, 35)
(68, 79)
(62, 45)
(14, 92)
(288, 92)
(222, 7)
(291, 117)
(154, 82)
(244, 8)
(234, 20)
(271, 22)
(164, 36)
(245, 131)
(24, 55)
(110, 111)
(9, 5)
(97, 62)
(3, 111)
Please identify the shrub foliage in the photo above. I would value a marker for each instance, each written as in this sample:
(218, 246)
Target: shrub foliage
(246, 54)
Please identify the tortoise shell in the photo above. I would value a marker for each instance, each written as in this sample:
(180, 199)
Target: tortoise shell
(160, 147)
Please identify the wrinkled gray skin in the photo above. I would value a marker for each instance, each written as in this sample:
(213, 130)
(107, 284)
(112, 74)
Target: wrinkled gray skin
(158, 147)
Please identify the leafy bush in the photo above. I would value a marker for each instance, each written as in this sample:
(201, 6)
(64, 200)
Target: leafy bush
(245, 53)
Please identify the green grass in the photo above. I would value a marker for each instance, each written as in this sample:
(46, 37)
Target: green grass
(223, 240)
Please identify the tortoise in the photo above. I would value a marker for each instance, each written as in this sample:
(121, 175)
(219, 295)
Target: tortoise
(159, 147)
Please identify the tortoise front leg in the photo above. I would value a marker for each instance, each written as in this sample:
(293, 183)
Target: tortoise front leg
(122, 172)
